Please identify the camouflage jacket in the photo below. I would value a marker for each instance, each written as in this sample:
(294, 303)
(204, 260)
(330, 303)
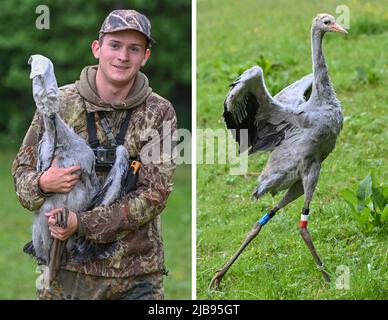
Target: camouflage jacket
(133, 220)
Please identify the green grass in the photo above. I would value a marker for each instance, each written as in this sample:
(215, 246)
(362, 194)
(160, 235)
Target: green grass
(17, 270)
(176, 219)
(233, 36)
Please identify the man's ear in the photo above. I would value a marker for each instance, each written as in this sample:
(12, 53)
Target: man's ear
(96, 49)
(146, 56)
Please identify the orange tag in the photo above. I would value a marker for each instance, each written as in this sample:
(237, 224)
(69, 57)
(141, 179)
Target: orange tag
(136, 165)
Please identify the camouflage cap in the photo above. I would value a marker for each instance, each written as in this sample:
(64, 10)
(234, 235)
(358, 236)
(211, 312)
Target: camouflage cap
(127, 20)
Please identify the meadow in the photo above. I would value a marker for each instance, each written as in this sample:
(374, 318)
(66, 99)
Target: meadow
(235, 35)
(17, 270)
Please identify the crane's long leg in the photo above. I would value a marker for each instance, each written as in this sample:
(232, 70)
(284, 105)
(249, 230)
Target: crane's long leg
(309, 183)
(57, 246)
(293, 193)
(56, 251)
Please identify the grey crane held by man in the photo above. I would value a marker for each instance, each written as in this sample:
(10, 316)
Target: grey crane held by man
(61, 144)
(299, 134)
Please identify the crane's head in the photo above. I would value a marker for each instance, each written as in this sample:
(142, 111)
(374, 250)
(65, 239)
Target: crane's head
(326, 23)
(44, 85)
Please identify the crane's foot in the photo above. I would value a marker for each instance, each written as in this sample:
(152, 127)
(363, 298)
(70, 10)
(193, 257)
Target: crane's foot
(215, 282)
(307, 239)
(324, 273)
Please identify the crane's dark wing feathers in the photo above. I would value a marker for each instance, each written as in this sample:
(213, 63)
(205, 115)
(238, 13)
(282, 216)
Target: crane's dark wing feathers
(86, 250)
(97, 199)
(250, 106)
(268, 136)
(128, 182)
(240, 119)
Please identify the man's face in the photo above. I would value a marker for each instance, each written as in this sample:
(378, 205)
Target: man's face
(121, 55)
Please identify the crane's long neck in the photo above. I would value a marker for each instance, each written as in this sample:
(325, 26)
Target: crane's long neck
(322, 88)
(58, 132)
(49, 126)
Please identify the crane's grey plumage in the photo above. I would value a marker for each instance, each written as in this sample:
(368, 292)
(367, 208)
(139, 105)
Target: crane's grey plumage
(69, 149)
(299, 126)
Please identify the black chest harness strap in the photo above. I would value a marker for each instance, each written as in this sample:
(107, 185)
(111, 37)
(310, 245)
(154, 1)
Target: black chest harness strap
(105, 155)
(113, 141)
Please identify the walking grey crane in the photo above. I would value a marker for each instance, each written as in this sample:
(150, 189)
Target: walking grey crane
(59, 141)
(299, 134)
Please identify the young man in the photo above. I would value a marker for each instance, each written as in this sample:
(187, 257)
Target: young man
(135, 270)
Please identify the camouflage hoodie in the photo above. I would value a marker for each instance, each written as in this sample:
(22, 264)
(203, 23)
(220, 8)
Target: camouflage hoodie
(134, 220)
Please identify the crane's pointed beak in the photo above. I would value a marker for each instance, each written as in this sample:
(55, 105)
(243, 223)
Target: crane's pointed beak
(335, 27)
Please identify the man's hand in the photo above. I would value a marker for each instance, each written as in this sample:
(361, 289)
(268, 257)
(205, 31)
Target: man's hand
(58, 232)
(60, 180)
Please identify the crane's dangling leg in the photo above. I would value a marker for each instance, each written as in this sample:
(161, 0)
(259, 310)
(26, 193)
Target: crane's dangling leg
(310, 181)
(293, 193)
(57, 247)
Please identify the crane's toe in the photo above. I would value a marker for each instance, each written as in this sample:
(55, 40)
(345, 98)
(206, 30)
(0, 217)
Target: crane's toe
(216, 280)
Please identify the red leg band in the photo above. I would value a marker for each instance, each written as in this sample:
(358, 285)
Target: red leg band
(303, 224)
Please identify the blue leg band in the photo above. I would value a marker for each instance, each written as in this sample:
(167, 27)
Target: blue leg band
(264, 219)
